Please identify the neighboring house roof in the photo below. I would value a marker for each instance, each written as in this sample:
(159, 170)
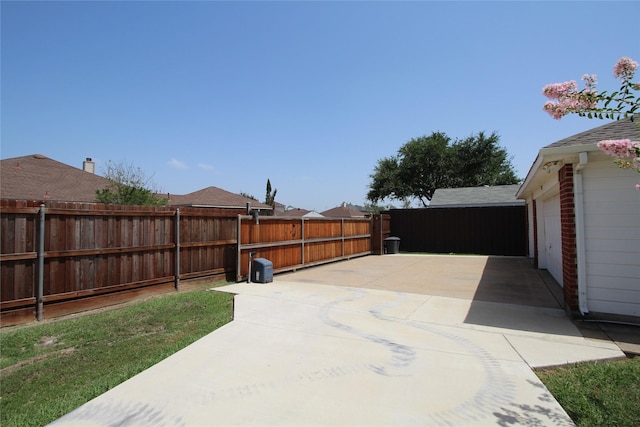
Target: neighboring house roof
(344, 211)
(357, 207)
(567, 150)
(37, 177)
(292, 212)
(215, 197)
(499, 195)
(313, 214)
(297, 213)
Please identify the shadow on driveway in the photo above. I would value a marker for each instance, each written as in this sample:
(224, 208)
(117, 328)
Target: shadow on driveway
(487, 291)
(507, 280)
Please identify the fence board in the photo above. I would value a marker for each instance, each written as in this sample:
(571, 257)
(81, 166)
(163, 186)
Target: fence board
(381, 230)
(496, 230)
(17, 243)
(291, 243)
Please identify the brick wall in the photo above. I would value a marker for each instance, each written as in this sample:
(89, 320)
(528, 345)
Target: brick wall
(568, 229)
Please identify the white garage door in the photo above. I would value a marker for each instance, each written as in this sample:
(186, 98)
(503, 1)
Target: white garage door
(553, 237)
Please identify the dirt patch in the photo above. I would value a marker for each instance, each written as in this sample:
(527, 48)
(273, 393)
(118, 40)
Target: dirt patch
(47, 342)
(39, 358)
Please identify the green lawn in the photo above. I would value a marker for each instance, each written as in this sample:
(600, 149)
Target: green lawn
(598, 393)
(51, 368)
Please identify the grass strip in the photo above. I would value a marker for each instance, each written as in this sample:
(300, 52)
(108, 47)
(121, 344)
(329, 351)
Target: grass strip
(52, 368)
(597, 393)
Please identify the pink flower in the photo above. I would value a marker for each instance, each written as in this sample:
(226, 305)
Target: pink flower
(590, 80)
(625, 68)
(572, 102)
(559, 90)
(619, 148)
(569, 99)
(554, 109)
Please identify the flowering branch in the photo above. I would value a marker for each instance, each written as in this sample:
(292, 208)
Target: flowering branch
(568, 99)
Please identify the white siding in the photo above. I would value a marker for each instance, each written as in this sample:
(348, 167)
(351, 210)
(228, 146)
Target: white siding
(612, 237)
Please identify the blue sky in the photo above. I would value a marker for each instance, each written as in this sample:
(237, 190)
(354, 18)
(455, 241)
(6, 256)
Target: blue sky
(307, 94)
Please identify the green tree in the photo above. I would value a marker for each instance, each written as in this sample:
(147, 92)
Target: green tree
(427, 163)
(372, 208)
(128, 186)
(248, 196)
(480, 160)
(270, 197)
(385, 181)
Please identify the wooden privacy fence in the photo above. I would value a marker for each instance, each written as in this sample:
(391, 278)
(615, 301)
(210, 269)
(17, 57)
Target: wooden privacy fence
(492, 230)
(68, 257)
(291, 243)
(60, 253)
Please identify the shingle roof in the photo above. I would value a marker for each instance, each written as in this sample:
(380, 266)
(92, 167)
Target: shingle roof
(344, 212)
(37, 177)
(214, 196)
(298, 213)
(499, 195)
(624, 128)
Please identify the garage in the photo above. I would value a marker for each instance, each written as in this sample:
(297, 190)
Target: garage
(552, 241)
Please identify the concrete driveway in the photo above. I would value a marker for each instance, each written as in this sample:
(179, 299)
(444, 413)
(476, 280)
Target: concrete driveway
(376, 341)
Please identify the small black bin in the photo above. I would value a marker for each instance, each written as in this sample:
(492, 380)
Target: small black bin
(392, 245)
(261, 271)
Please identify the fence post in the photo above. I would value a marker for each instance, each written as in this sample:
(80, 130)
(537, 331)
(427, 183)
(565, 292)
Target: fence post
(302, 245)
(342, 235)
(372, 230)
(239, 249)
(40, 290)
(381, 234)
(177, 261)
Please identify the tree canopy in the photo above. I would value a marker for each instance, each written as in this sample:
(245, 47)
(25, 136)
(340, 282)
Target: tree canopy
(427, 163)
(129, 186)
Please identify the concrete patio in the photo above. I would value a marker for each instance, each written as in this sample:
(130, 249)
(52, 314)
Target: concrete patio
(374, 341)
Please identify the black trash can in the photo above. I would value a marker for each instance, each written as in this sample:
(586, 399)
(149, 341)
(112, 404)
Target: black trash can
(261, 271)
(392, 245)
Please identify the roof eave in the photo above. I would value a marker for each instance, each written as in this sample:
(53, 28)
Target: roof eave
(567, 154)
(477, 205)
